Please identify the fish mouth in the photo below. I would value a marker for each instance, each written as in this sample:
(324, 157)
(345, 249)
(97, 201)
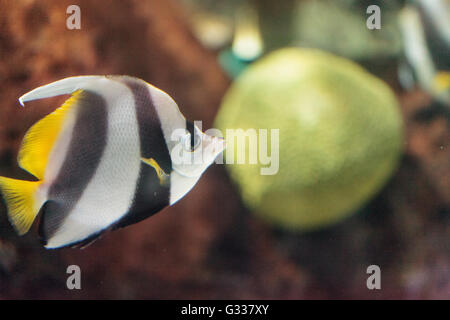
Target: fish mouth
(221, 142)
(215, 140)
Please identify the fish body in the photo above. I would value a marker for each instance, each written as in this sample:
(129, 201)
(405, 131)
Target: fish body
(425, 26)
(107, 158)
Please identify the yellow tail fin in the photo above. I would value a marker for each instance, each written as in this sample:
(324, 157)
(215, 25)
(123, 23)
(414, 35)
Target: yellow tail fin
(22, 201)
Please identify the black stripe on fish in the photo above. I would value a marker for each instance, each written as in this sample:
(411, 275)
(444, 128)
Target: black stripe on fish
(150, 196)
(153, 143)
(86, 147)
(191, 130)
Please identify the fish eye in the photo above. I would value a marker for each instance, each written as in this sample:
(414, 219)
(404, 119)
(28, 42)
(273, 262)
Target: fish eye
(191, 141)
(197, 139)
(186, 142)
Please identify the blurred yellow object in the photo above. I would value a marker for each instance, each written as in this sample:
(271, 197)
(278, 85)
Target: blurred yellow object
(247, 42)
(213, 31)
(442, 81)
(340, 136)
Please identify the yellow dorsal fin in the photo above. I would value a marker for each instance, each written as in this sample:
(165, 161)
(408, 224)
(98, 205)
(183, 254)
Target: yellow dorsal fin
(22, 201)
(163, 177)
(40, 138)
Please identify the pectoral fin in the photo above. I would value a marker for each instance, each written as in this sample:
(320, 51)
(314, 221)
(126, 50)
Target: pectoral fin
(163, 177)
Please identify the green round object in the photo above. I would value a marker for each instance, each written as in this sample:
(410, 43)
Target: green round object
(340, 136)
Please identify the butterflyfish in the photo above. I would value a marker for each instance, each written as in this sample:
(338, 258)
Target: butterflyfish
(116, 152)
(425, 26)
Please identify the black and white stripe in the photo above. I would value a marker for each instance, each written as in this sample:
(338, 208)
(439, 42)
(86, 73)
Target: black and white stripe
(150, 196)
(87, 144)
(109, 193)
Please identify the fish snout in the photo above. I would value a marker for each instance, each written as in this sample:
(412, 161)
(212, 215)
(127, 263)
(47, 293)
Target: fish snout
(219, 144)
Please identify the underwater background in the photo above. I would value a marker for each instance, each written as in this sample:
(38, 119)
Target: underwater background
(211, 244)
